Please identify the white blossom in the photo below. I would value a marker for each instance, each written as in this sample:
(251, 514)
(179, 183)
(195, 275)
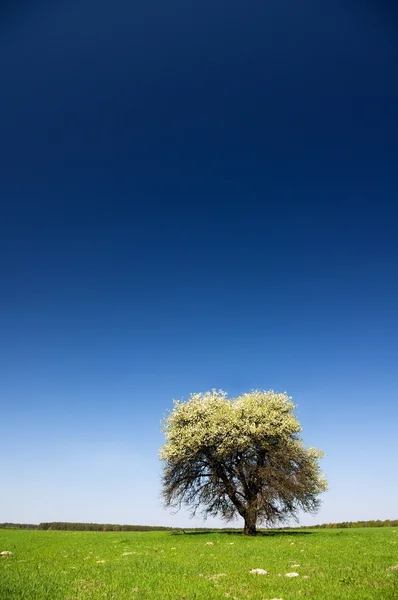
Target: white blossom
(258, 572)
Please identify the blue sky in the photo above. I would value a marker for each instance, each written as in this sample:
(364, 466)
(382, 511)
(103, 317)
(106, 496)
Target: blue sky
(192, 196)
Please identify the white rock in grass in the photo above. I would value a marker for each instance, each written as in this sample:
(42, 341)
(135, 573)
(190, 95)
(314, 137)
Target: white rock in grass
(394, 568)
(258, 572)
(6, 553)
(209, 544)
(291, 575)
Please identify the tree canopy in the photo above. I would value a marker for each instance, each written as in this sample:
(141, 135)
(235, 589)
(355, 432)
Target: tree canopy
(239, 456)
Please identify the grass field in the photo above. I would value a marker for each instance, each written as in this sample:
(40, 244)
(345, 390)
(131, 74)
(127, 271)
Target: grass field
(349, 564)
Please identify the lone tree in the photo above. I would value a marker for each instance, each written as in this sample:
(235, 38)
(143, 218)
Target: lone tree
(240, 456)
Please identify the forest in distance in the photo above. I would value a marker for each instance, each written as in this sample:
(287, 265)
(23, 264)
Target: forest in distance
(65, 526)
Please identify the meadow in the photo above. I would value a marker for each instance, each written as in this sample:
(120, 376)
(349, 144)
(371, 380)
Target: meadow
(349, 564)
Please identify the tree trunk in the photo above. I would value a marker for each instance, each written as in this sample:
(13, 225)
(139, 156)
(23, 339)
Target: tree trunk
(250, 524)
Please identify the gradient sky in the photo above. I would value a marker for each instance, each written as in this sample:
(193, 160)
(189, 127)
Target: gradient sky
(194, 195)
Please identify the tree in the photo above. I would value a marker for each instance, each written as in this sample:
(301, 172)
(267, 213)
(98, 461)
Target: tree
(240, 456)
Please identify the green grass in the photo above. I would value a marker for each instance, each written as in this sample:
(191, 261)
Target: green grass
(349, 564)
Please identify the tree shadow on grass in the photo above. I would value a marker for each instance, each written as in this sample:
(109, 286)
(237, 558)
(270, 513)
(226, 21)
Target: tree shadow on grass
(237, 532)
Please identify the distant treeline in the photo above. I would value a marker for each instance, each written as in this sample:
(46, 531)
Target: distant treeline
(352, 524)
(62, 526)
(18, 526)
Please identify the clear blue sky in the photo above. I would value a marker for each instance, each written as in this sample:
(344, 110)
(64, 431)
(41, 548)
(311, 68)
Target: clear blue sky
(194, 195)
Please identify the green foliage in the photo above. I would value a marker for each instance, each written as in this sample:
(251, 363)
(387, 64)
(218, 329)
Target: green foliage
(97, 527)
(333, 564)
(356, 524)
(18, 526)
(240, 456)
(64, 526)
